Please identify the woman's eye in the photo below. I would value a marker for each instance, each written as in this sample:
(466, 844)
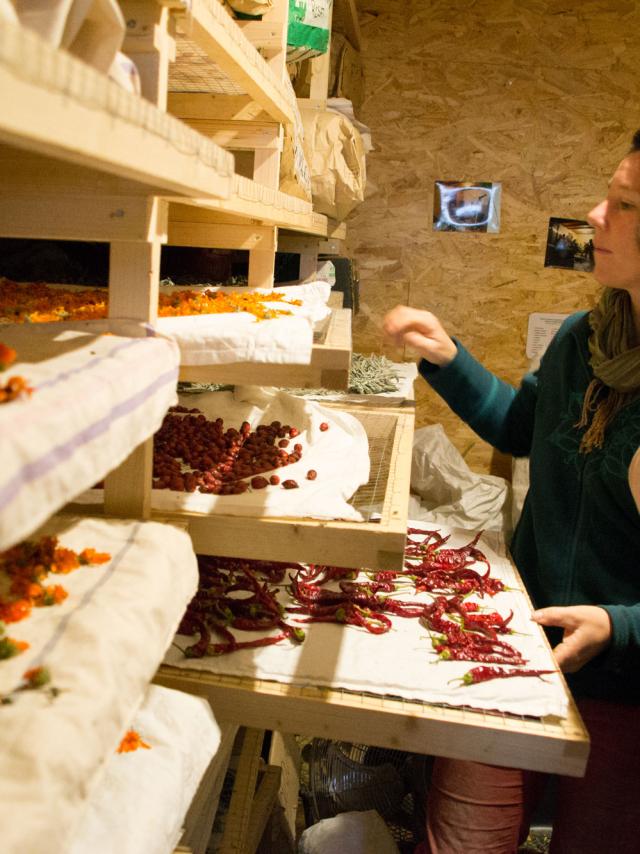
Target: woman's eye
(625, 206)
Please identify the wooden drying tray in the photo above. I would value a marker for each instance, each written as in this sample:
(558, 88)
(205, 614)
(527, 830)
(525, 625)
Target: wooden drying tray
(540, 744)
(214, 55)
(329, 367)
(378, 544)
(59, 107)
(245, 219)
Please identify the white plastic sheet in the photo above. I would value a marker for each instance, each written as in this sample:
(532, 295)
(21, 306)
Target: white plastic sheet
(449, 492)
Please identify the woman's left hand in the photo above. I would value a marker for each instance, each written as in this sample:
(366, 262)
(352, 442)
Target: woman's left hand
(587, 632)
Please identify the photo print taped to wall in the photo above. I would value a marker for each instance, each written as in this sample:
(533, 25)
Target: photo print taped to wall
(569, 244)
(466, 206)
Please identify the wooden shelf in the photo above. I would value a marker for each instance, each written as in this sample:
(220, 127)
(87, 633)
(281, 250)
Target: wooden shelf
(376, 544)
(548, 744)
(242, 220)
(214, 55)
(98, 394)
(57, 106)
(329, 367)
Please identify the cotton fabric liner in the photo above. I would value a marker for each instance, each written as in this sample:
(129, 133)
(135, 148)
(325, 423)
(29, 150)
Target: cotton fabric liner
(217, 339)
(102, 646)
(340, 455)
(98, 394)
(141, 799)
(402, 662)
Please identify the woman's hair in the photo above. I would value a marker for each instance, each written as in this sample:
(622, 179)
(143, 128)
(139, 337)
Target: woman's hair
(635, 142)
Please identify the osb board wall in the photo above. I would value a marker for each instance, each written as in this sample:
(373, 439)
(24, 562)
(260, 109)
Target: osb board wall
(542, 96)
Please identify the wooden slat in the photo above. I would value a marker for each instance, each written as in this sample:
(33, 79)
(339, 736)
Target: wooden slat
(329, 367)
(221, 233)
(285, 753)
(264, 801)
(199, 820)
(378, 545)
(275, 209)
(237, 821)
(108, 130)
(552, 745)
(213, 31)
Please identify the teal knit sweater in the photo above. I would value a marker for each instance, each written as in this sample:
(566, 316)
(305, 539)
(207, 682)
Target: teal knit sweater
(578, 538)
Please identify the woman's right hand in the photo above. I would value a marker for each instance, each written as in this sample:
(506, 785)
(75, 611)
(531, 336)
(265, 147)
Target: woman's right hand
(422, 331)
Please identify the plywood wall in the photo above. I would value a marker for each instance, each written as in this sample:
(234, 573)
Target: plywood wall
(542, 96)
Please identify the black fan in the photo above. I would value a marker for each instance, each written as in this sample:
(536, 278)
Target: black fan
(344, 777)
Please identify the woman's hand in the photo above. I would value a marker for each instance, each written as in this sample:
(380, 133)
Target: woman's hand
(421, 330)
(587, 632)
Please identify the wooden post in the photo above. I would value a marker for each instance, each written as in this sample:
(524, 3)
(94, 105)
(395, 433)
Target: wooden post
(150, 45)
(134, 276)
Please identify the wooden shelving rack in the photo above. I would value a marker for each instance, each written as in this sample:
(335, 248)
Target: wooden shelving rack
(81, 159)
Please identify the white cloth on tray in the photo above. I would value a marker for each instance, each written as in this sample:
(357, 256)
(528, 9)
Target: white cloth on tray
(97, 396)
(402, 662)
(102, 646)
(216, 339)
(339, 455)
(142, 797)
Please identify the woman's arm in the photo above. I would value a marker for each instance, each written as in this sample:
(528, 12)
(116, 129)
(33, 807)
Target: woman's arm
(494, 409)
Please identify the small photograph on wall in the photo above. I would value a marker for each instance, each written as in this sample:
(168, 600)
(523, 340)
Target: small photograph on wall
(569, 244)
(466, 206)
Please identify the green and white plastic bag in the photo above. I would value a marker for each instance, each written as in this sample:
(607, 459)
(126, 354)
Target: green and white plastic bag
(309, 28)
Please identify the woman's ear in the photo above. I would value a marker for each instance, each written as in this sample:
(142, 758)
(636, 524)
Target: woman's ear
(634, 478)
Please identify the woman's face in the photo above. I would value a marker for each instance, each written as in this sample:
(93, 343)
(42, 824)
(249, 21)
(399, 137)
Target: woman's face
(617, 229)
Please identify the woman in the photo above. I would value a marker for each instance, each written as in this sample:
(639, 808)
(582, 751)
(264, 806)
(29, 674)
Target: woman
(577, 544)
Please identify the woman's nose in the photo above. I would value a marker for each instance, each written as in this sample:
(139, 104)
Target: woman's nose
(597, 215)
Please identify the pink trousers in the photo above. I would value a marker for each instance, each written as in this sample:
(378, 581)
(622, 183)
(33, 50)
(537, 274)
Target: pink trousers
(482, 809)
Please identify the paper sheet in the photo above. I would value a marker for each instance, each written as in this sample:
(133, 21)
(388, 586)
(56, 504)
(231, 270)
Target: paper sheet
(402, 663)
(102, 646)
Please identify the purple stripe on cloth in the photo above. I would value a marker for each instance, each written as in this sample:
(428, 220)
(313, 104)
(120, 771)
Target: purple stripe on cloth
(86, 599)
(61, 453)
(65, 375)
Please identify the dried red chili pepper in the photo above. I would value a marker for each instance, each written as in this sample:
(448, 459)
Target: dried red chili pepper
(485, 674)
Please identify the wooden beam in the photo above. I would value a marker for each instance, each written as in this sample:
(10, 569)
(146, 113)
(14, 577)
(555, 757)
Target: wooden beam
(78, 217)
(150, 45)
(221, 235)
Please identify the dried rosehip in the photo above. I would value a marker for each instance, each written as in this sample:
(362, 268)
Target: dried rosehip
(290, 484)
(274, 480)
(294, 432)
(259, 482)
(283, 443)
(312, 474)
(324, 426)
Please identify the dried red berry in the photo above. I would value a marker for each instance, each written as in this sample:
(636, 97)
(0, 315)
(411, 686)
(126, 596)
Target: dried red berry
(324, 426)
(290, 484)
(312, 474)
